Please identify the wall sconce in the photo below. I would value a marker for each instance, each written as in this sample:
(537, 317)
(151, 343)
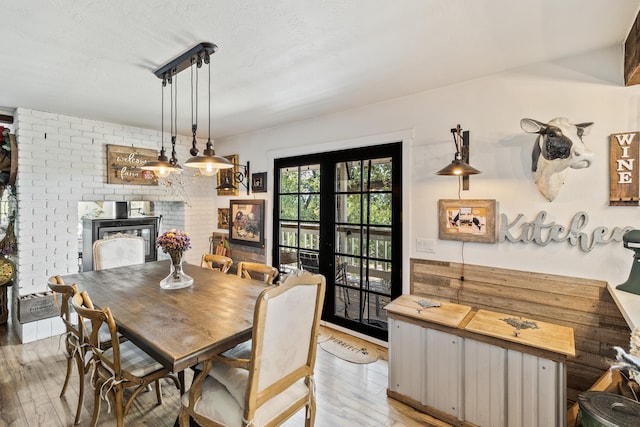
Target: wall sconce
(460, 164)
(238, 178)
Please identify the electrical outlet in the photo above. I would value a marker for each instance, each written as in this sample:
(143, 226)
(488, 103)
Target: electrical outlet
(426, 245)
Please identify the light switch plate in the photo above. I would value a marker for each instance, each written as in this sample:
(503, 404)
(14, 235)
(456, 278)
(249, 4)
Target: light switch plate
(426, 245)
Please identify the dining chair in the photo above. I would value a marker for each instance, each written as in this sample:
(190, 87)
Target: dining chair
(120, 367)
(118, 250)
(265, 382)
(216, 262)
(73, 337)
(251, 270)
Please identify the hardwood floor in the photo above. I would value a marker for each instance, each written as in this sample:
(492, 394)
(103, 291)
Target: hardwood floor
(31, 377)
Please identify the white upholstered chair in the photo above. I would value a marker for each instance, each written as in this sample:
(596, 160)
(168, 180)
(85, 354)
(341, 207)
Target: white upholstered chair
(264, 381)
(118, 250)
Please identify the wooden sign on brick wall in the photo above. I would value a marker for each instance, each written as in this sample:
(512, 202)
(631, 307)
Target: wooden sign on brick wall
(123, 165)
(623, 169)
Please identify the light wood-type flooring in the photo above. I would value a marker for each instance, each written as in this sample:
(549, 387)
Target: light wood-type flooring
(31, 376)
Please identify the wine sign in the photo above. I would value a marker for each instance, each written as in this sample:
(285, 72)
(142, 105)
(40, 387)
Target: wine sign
(623, 169)
(123, 165)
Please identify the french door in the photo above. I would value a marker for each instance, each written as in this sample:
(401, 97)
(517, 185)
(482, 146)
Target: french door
(339, 214)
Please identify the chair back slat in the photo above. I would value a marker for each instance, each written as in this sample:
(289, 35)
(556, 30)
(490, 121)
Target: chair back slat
(258, 271)
(216, 262)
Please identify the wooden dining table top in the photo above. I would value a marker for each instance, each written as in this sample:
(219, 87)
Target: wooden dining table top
(178, 327)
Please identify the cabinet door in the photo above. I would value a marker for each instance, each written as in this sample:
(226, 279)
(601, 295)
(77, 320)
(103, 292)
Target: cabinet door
(405, 359)
(536, 393)
(442, 361)
(485, 376)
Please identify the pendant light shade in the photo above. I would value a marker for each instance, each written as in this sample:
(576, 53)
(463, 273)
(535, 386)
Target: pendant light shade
(459, 168)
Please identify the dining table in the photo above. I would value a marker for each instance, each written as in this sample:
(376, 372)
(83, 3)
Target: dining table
(177, 327)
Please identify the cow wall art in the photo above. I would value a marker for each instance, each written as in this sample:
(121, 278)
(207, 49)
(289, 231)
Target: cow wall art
(558, 148)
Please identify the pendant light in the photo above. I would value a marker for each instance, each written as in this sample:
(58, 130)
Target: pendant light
(208, 163)
(163, 167)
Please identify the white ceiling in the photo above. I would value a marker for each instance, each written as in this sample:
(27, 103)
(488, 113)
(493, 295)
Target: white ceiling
(279, 60)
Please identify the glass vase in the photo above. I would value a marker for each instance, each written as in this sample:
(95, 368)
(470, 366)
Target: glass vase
(177, 278)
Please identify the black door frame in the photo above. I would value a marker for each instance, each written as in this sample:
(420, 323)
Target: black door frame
(327, 162)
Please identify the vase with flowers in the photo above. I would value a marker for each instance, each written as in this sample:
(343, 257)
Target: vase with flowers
(175, 243)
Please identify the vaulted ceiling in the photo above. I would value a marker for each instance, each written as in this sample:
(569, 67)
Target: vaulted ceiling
(279, 60)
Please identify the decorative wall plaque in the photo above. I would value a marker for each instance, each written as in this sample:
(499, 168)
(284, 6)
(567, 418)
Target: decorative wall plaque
(123, 165)
(623, 169)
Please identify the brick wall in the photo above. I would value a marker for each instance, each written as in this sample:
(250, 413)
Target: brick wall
(61, 161)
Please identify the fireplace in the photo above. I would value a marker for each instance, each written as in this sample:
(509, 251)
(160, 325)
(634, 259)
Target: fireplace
(94, 229)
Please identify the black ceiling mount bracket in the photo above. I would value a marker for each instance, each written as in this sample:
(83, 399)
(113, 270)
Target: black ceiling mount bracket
(197, 53)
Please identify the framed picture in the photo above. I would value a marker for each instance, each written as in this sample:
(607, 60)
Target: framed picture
(247, 222)
(228, 174)
(259, 182)
(223, 218)
(467, 220)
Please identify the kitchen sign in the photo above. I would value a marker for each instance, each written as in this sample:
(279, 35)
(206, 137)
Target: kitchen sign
(124, 163)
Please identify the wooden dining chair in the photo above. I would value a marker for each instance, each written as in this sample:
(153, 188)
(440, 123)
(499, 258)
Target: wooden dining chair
(118, 250)
(253, 270)
(73, 337)
(122, 366)
(261, 384)
(216, 262)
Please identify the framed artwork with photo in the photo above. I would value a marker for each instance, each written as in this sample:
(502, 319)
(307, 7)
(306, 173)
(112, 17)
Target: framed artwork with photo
(467, 220)
(247, 222)
(223, 218)
(259, 182)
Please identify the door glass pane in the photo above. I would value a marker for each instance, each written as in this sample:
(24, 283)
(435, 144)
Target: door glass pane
(379, 206)
(310, 179)
(379, 243)
(288, 259)
(348, 207)
(289, 207)
(348, 177)
(310, 207)
(289, 234)
(289, 180)
(309, 236)
(380, 179)
(348, 240)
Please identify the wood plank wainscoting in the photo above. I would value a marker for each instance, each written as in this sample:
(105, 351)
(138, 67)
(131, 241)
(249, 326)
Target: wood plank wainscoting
(582, 304)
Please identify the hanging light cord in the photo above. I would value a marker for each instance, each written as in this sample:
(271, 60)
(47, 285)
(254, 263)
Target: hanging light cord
(174, 120)
(194, 127)
(206, 59)
(164, 83)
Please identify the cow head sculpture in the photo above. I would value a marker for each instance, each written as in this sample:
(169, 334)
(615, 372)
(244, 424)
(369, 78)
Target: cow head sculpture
(558, 147)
